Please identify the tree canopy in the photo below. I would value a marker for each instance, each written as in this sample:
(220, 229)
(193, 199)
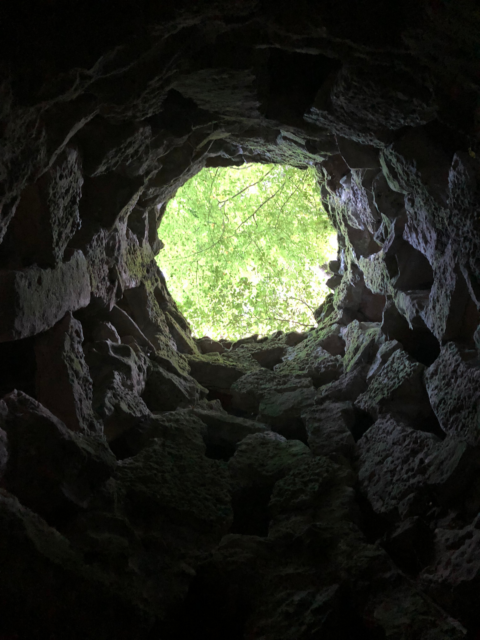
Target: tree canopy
(244, 248)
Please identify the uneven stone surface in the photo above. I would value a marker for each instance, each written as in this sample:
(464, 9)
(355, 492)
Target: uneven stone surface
(453, 387)
(35, 299)
(263, 458)
(119, 376)
(392, 461)
(61, 361)
(249, 390)
(312, 358)
(225, 431)
(165, 391)
(329, 428)
(282, 411)
(49, 468)
(201, 521)
(348, 387)
(52, 563)
(259, 462)
(362, 342)
(214, 373)
(398, 388)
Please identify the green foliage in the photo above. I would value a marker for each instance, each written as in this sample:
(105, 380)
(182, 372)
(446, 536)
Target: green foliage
(243, 250)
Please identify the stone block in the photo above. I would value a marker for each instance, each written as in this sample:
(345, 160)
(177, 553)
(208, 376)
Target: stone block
(62, 381)
(47, 215)
(119, 377)
(453, 386)
(224, 431)
(249, 390)
(165, 391)
(392, 460)
(398, 387)
(347, 388)
(213, 372)
(329, 429)
(51, 469)
(282, 411)
(35, 299)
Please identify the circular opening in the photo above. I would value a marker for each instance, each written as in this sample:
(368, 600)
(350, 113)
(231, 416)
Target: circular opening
(246, 250)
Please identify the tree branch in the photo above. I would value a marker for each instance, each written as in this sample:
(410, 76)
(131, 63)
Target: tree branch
(303, 302)
(221, 202)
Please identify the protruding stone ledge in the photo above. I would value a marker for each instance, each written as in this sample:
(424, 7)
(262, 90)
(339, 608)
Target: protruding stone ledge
(35, 299)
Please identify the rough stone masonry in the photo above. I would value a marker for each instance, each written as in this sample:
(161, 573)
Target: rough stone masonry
(324, 485)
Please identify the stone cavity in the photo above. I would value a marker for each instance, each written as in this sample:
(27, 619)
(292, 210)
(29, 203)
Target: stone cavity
(154, 484)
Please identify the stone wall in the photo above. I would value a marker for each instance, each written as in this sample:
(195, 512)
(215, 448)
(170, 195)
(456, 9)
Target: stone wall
(324, 484)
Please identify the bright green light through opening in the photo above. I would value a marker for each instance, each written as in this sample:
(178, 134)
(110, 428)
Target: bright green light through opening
(244, 248)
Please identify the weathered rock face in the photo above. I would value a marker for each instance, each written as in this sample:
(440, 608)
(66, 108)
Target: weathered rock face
(285, 488)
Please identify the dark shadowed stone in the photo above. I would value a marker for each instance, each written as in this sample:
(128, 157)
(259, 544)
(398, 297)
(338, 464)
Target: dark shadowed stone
(178, 502)
(329, 428)
(453, 386)
(164, 509)
(392, 463)
(224, 432)
(363, 243)
(269, 357)
(398, 387)
(452, 577)
(346, 107)
(358, 156)
(348, 387)
(414, 270)
(119, 374)
(47, 215)
(207, 345)
(310, 360)
(149, 316)
(172, 477)
(362, 340)
(453, 471)
(51, 468)
(248, 340)
(213, 372)
(263, 458)
(383, 355)
(334, 282)
(105, 331)
(110, 197)
(105, 146)
(417, 340)
(106, 359)
(232, 573)
(184, 342)
(390, 203)
(317, 483)
(126, 326)
(250, 389)
(40, 563)
(259, 462)
(444, 315)
(165, 391)
(62, 381)
(410, 544)
(282, 411)
(35, 299)
(174, 426)
(316, 356)
(293, 338)
(3, 439)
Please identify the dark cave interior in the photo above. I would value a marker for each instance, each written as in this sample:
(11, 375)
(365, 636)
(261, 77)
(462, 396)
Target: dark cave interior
(310, 485)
